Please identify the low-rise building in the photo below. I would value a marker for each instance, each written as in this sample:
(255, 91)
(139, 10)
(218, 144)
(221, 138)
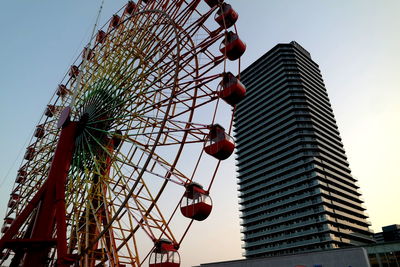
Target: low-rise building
(389, 233)
(376, 255)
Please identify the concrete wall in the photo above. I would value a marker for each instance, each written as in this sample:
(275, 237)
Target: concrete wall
(352, 257)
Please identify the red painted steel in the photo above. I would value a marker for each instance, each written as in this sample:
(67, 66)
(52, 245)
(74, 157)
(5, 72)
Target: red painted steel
(52, 207)
(21, 218)
(50, 200)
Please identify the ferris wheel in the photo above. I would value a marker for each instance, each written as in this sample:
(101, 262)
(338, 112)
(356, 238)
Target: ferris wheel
(131, 141)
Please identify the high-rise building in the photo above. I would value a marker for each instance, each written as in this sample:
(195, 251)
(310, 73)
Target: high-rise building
(296, 188)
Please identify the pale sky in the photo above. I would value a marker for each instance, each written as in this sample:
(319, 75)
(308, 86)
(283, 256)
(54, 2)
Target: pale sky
(355, 43)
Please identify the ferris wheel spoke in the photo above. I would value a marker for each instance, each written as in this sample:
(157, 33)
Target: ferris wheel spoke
(121, 241)
(150, 53)
(162, 224)
(135, 115)
(148, 220)
(128, 116)
(197, 135)
(129, 211)
(157, 223)
(150, 71)
(116, 104)
(108, 241)
(95, 206)
(172, 174)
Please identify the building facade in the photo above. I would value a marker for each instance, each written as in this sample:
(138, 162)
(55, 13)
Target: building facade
(374, 255)
(297, 193)
(329, 258)
(389, 233)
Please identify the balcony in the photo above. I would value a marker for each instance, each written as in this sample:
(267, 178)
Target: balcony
(283, 219)
(286, 237)
(284, 246)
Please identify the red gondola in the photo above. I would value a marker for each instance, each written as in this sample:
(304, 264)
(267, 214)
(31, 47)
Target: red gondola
(15, 193)
(232, 90)
(130, 8)
(164, 254)
(100, 37)
(226, 16)
(39, 131)
(29, 154)
(196, 203)
(8, 220)
(114, 21)
(213, 3)
(11, 203)
(50, 110)
(73, 71)
(14, 196)
(232, 47)
(219, 144)
(21, 171)
(4, 229)
(21, 177)
(88, 52)
(62, 90)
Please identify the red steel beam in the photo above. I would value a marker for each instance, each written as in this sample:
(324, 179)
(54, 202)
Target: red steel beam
(52, 208)
(50, 200)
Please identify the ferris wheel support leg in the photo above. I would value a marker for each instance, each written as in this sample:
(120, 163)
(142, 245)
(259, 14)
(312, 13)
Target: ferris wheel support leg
(67, 151)
(7, 237)
(103, 212)
(52, 208)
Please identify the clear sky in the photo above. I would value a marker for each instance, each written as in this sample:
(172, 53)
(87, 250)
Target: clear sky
(355, 42)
